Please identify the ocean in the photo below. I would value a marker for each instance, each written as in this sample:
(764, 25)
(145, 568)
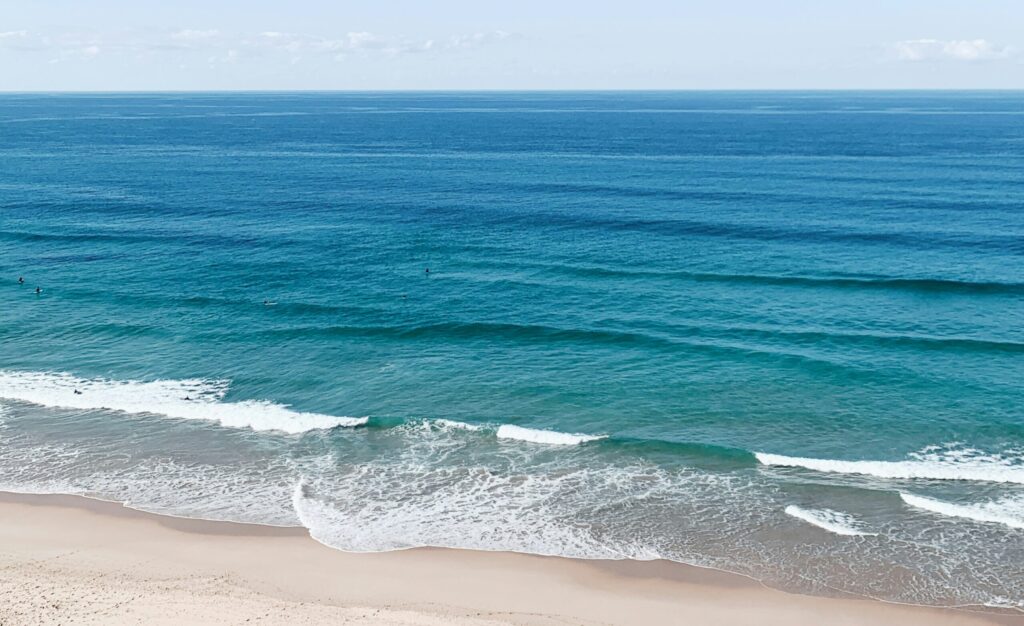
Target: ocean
(773, 333)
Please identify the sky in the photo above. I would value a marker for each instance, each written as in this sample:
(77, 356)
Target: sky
(142, 45)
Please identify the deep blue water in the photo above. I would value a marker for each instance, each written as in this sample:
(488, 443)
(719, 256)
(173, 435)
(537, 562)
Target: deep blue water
(792, 317)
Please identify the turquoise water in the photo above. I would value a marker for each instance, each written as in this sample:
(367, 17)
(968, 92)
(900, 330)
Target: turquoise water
(776, 333)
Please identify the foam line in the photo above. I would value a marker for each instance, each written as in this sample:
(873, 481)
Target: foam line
(988, 469)
(834, 522)
(1009, 512)
(453, 425)
(192, 399)
(547, 437)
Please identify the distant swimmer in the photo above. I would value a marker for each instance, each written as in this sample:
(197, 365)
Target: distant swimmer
(38, 291)
(268, 303)
(21, 280)
(426, 271)
(187, 398)
(77, 392)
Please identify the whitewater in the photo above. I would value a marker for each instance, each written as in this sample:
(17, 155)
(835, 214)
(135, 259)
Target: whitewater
(192, 399)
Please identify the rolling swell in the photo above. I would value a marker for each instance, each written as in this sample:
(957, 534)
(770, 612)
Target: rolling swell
(767, 342)
(680, 227)
(147, 300)
(875, 340)
(140, 236)
(533, 333)
(732, 196)
(541, 335)
(925, 285)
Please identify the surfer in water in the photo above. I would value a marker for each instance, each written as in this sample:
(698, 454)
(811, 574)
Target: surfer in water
(21, 280)
(38, 290)
(77, 392)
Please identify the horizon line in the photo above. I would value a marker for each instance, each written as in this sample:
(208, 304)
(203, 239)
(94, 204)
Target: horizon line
(527, 90)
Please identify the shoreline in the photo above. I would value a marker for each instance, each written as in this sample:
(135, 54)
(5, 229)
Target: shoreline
(97, 561)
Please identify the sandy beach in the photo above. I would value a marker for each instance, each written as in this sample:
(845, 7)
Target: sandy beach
(68, 559)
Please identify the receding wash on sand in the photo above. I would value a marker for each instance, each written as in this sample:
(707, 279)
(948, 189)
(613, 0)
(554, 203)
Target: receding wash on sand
(778, 335)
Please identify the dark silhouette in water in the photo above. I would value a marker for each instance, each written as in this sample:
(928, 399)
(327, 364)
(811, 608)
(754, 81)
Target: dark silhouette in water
(38, 291)
(426, 271)
(21, 280)
(77, 392)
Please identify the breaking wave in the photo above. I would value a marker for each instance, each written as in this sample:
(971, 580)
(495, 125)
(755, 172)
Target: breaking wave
(931, 463)
(547, 437)
(191, 399)
(1006, 511)
(835, 522)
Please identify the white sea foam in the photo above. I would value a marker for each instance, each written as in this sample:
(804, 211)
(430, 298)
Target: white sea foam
(833, 521)
(449, 520)
(163, 397)
(452, 425)
(377, 508)
(1006, 511)
(548, 437)
(933, 463)
(242, 490)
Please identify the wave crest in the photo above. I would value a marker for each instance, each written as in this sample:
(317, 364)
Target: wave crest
(190, 399)
(547, 437)
(835, 522)
(1007, 511)
(929, 464)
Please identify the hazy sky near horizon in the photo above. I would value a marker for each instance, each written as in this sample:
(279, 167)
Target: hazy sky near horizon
(527, 44)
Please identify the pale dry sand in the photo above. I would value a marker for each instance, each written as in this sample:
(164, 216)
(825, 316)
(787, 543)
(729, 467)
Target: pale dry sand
(70, 560)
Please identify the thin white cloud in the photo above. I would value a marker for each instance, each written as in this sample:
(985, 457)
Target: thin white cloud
(63, 46)
(365, 41)
(950, 50)
(221, 47)
(19, 40)
(477, 39)
(228, 57)
(351, 42)
(189, 34)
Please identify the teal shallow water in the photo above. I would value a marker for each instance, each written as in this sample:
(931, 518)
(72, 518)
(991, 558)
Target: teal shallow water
(795, 321)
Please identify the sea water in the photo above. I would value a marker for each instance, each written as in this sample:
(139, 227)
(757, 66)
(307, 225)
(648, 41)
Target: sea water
(780, 334)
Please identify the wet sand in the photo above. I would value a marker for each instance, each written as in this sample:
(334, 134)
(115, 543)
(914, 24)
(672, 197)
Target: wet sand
(69, 559)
